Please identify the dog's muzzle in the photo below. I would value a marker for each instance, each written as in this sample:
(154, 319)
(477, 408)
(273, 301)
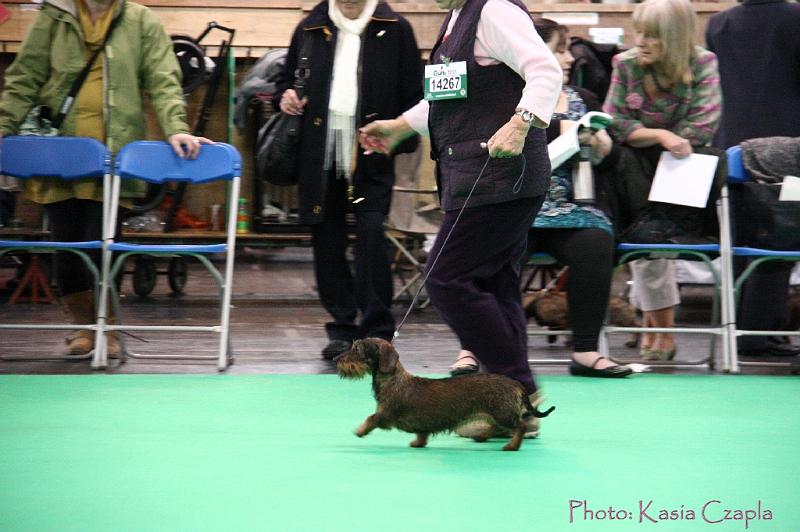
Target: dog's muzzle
(351, 369)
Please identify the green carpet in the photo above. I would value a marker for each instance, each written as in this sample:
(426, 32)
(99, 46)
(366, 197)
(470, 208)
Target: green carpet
(131, 452)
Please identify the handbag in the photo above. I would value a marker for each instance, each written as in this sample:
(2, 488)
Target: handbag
(278, 141)
(40, 120)
(761, 221)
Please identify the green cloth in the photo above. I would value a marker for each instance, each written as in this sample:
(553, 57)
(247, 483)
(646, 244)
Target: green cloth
(139, 58)
(277, 453)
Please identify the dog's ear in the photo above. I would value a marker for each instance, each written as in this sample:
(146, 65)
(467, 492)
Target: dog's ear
(389, 358)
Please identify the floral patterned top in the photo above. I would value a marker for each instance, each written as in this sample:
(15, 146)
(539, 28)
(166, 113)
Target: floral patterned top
(690, 111)
(559, 210)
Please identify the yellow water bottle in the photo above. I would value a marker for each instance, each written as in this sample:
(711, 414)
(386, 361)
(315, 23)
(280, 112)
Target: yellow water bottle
(242, 218)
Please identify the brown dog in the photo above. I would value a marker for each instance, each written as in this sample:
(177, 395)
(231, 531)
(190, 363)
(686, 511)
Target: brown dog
(550, 309)
(430, 406)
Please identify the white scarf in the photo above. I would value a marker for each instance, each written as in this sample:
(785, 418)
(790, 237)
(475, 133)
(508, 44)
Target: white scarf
(344, 86)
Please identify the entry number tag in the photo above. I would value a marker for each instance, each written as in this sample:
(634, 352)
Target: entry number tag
(446, 81)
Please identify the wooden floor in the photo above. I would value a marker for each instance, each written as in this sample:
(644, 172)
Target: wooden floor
(278, 326)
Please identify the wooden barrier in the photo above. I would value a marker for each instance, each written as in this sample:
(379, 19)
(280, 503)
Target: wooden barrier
(262, 25)
(265, 24)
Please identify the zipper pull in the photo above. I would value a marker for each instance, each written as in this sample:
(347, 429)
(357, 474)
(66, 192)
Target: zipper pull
(350, 191)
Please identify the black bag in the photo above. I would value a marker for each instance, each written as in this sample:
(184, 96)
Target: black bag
(663, 223)
(279, 139)
(761, 221)
(592, 67)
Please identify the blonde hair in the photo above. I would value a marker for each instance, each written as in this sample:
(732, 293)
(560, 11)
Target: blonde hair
(672, 22)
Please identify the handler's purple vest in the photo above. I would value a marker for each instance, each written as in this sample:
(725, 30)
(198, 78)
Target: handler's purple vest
(457, 127)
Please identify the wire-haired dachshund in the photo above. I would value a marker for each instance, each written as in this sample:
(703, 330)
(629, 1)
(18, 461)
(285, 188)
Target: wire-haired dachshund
(430, 406)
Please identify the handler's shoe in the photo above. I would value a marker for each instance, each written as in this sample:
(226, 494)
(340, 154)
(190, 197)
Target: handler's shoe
(479, 428)
(532, 423)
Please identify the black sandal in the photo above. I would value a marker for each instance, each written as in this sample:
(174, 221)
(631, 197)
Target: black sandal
(612, 372)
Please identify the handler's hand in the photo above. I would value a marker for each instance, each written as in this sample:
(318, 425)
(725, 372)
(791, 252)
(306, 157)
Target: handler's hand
(291, 104)
(383, 136)
(509, 140)
(677, 146)
(186, 145)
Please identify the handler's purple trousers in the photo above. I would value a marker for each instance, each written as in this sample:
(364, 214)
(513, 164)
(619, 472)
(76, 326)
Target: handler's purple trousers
(475, 283)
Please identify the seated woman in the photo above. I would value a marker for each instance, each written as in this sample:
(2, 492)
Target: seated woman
(578, 235)
(664, 96)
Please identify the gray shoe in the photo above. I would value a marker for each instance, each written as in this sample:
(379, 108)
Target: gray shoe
(478, 429)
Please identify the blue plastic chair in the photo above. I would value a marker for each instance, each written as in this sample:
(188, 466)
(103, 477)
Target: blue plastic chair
(721, 316)
(156, 162)
(737, 173)
(66, 158)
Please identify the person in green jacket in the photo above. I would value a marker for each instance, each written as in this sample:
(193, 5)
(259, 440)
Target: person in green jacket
(136, 59)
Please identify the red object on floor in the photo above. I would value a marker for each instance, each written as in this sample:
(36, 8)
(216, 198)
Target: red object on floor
(35, 279)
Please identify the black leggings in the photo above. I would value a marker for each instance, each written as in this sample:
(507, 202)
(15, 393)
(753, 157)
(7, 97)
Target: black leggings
(589, 253)
(74, 220)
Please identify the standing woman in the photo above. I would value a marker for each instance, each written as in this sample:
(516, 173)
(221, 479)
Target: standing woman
(109, 107)
(365, 65)
(664, 96)
(512, 84)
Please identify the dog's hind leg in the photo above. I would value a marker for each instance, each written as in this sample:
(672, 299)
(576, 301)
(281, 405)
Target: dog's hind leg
(516, 439)
(421, 441)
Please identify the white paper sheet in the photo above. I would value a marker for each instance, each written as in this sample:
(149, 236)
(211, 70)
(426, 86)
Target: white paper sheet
(684, 181)
(566, 145)
(563, 147)
(790, 191)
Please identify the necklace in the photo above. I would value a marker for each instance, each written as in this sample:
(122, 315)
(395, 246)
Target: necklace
(661, 88)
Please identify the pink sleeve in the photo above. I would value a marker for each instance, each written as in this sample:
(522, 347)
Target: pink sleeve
(507, 36)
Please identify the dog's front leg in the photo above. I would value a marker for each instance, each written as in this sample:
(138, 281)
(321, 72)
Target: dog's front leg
(371, 423)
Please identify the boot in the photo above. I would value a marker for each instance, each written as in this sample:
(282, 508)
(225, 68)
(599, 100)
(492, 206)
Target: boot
(113, 348)
(80, 307)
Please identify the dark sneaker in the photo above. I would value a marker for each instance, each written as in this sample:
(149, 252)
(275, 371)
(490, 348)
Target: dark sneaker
(335, 348)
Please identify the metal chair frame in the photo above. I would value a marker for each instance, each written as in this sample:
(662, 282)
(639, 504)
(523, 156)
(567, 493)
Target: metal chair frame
(155, 162)
(66, 158)
(737, 173)
(400, 238)
(705, 253)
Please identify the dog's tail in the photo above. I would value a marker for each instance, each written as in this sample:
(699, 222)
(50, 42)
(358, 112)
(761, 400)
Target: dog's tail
(532, 410)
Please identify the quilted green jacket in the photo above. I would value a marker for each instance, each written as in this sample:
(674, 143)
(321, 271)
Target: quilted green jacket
(138, 58)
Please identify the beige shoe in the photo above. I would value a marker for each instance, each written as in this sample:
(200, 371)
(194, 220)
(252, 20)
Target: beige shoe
(532, 423)
(79, 343)
(113, 349)
(478, 430)
(80, 308)
(481, 430)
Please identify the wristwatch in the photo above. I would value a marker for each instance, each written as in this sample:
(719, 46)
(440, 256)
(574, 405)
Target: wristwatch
(526, 115)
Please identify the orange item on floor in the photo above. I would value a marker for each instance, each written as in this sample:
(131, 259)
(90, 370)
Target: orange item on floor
(36, 280)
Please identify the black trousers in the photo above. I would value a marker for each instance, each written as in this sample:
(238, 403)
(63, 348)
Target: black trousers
(8, 201)
(589, 253)
(74, 220)
(475, 283)
(762, 303)
(343, 292)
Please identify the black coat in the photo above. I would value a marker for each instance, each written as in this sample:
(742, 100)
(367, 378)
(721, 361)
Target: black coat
(758, 48)
(390, 83)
